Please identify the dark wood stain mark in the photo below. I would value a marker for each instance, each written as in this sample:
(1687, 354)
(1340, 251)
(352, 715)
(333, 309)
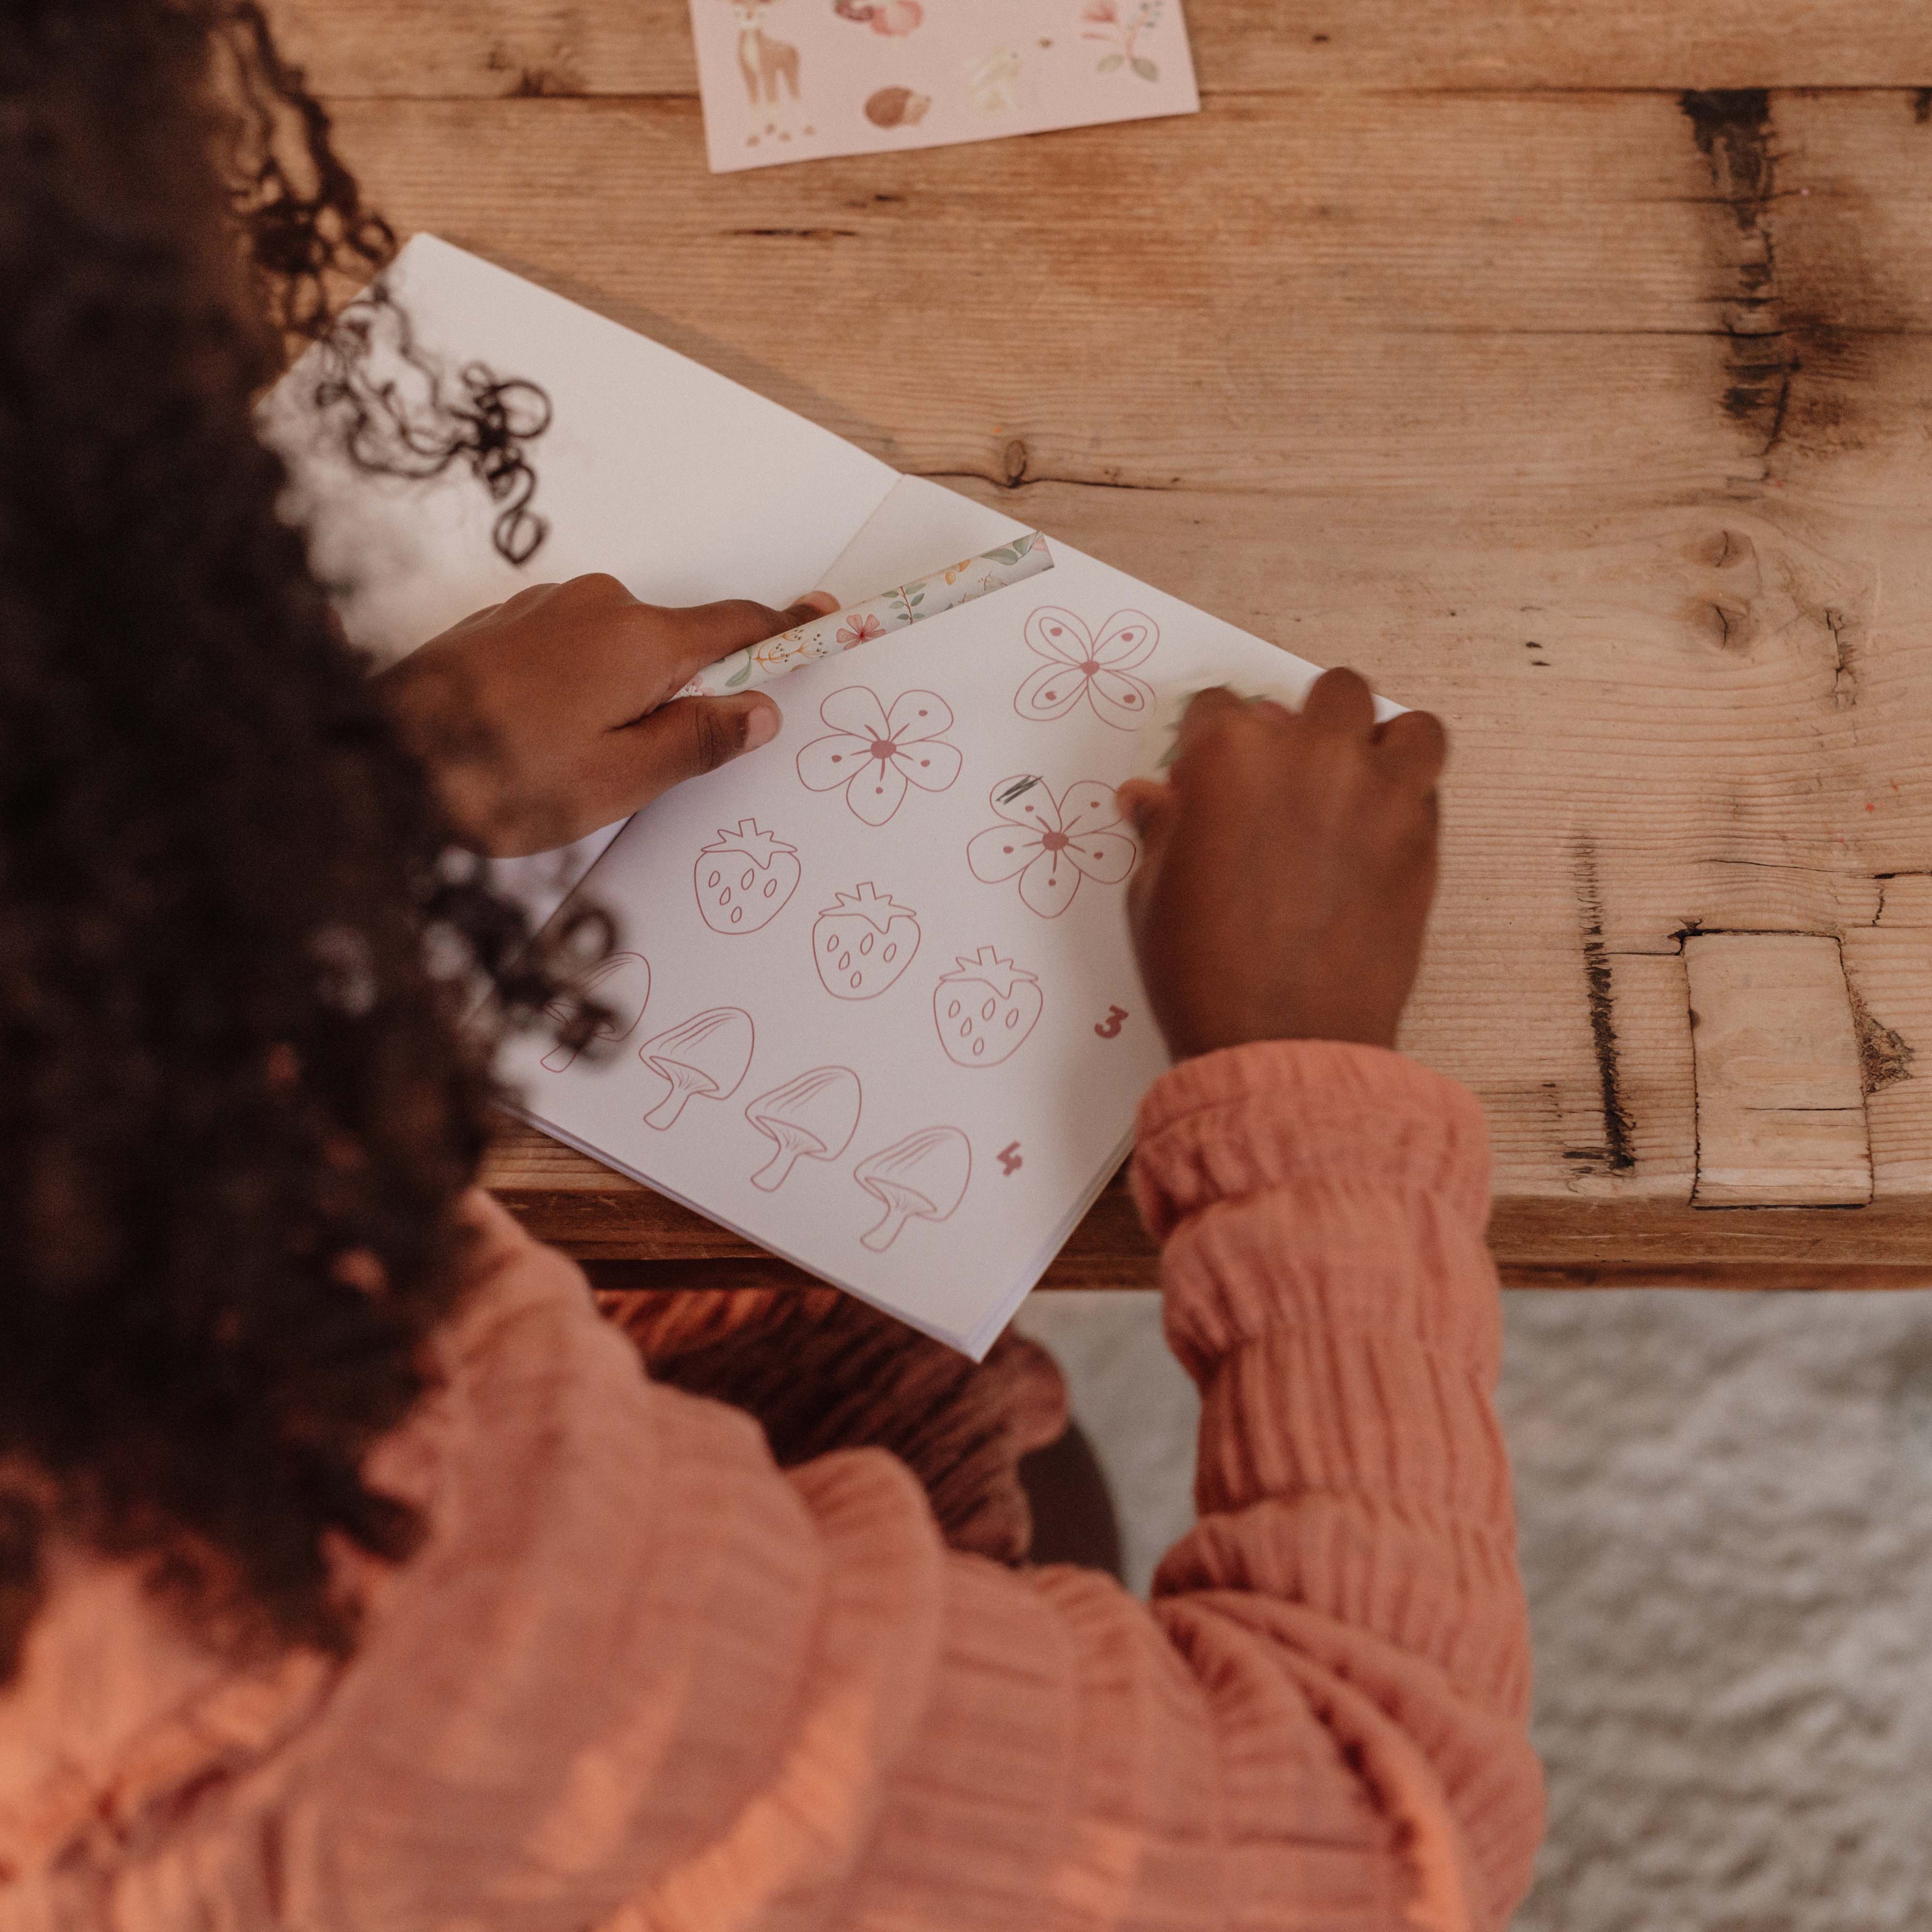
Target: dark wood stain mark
(1922, 106)
(796, 234)
(1732, 128)
(1844, 670)
(1884, 1054)
(1619, 1130)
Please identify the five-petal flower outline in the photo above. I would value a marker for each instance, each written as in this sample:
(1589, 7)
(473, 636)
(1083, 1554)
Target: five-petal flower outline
(1051, 844)
(875, 753)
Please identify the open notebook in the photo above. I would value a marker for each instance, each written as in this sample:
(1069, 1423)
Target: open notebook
(898, 1040)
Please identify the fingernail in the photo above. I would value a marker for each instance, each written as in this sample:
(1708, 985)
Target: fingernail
(761, 726)
(823, 602)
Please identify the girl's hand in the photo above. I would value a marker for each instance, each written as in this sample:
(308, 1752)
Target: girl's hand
(1290, 861)
(545, 717)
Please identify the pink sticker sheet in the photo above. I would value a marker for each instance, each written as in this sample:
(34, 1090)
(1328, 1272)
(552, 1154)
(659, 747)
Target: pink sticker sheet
(794, 80)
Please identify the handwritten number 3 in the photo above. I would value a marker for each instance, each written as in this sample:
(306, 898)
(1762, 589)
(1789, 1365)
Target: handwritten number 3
(1109, 1028)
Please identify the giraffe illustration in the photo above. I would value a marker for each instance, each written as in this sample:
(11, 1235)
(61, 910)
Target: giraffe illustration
(770, 68)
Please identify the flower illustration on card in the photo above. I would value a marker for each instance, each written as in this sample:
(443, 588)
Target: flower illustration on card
(859, 630)
(876, 753)
(1051, 844)
(1080, 665)
(1120, 28)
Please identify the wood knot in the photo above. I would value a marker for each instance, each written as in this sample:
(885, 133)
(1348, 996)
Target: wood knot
(1729, 549)
(1013, 462)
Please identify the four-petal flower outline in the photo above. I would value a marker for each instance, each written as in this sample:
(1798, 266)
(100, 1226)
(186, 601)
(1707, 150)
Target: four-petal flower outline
(876, 754)
(1052, 844)
(1079, 666)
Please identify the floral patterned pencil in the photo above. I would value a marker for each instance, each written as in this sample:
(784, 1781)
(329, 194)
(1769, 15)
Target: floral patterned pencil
(946, 589)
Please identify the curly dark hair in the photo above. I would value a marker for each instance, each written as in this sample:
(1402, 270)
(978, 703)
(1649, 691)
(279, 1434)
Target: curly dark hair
(237, 1109)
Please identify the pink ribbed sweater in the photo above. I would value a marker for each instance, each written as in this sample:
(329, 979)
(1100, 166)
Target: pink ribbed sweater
(640, 1678)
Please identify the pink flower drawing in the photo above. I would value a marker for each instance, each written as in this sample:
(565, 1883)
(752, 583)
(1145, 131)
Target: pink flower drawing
(1101, 21)
(1078, 667)
(859, 631)
(875, 753)
(1052, 844)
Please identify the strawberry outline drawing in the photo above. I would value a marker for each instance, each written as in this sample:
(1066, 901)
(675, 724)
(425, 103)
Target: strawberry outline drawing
(747, 896)
(857, 934)
(985, 1027)
(877, 753)
(1052, 844)
(1078, 666)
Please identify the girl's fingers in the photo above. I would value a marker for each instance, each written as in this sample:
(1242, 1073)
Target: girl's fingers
(686, 639)
(1144, 804)
(1415, 745)
(1340, 700)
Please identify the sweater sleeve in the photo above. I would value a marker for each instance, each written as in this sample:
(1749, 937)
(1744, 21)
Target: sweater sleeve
(1321, 1208)
(1321, 1720)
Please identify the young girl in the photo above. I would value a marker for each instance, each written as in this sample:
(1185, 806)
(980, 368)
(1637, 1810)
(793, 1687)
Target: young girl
(352, 1572)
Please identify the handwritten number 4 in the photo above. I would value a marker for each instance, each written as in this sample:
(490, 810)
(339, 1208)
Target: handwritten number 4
(1008, 1157)
(1109, 1028)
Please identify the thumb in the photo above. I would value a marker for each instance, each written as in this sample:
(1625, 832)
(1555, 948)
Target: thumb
(680, 740)
(1146, 804)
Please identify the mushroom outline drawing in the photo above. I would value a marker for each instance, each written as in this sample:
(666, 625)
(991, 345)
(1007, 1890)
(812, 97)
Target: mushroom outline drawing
(706, 1056)
(921, 1177)
(812, 1117)
(621, 981)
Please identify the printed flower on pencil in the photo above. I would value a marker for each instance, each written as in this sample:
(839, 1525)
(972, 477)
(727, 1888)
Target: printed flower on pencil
(777, 654)
(876, 754)
(1052, 844)
(859, 630)
(1078, 666)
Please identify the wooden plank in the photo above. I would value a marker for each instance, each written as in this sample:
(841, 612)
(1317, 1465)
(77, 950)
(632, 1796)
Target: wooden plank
(427, 48)
(1536, 312)
(1528, 295)
(628, 1236)
(1780, 1102)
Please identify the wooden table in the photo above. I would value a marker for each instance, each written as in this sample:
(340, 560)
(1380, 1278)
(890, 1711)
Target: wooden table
(1461, 341)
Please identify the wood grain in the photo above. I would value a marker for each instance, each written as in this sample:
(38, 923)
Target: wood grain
(1470, 345)
(415, 49)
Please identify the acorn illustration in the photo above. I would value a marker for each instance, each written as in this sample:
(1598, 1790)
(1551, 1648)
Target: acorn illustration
(897, 107)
